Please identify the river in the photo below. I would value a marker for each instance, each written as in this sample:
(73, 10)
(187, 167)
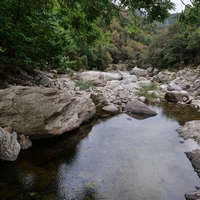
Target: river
(117, 157)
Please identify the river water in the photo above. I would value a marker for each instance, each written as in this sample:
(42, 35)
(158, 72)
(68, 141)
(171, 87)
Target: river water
(113, 158)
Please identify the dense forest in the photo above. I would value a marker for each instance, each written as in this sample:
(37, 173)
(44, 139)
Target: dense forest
(90, 34)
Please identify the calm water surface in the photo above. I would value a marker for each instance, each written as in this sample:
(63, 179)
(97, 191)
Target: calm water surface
(118, 158)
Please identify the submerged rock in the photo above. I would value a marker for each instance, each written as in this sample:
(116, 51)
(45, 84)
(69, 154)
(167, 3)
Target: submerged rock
(43, 112)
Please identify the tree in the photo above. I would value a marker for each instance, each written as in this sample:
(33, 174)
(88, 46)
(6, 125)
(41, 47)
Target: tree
(41, 33)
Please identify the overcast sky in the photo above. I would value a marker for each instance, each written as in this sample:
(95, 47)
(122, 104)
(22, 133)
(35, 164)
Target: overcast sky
(179, 5)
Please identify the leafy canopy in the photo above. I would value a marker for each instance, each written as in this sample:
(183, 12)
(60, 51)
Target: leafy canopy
(43, 32)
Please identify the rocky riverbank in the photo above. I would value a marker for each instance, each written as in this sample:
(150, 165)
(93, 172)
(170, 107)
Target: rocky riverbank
(49, 104)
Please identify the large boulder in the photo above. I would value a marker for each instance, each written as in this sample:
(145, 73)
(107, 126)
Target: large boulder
(95, 77)
(137, 107)
(43, 112)
(138, 72)
(9, 146)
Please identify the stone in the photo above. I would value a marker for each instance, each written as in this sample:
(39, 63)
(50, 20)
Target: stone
(138, 72)
(195, 85)
(175, 96)
(194, 195)
(110, 108)
(195, 103)
(190, 129)
(41, 112)
(112, 76)
(194, 157)
(24, 141)
(113, 84)
(45, 81)
(142, 99)
(172, 86)
(32, 177)
(9, 146)
(127, 79)
(95, 77)
(137, 107)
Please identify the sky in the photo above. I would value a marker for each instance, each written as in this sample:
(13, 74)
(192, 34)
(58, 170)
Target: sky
(179, 5)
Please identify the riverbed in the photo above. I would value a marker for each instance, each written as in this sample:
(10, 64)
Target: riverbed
(118, 157)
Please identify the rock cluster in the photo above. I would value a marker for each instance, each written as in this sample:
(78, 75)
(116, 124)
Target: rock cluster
(58, 105)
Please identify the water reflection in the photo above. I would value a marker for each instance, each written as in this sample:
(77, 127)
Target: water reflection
(115, 158)
(127, 158)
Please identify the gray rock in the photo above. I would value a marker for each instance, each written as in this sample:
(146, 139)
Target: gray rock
(195, 103)
(191, 129)
(24, 141)
(95, 77)
(110, 108)
(195, 85)
(194, 157)
(176, 96)
(194, 195)
(9, 146)
(45, 81)
(43, 112)
(112, 76)
(173, 86)
(138, 72)
(137, 107)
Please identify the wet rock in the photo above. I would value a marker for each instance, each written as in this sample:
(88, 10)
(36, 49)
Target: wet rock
(175, 96)
(43, 112)
(31, 177)
(194, 195)
(137, 107)
(24, 141)
(191, 129)
(194, 157)
(9, 146)
(172, 86)
(9, 192)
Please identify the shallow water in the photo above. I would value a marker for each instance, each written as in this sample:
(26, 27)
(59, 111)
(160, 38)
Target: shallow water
(118, 158)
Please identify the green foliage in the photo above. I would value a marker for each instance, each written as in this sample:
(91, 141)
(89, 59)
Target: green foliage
(75, 34)
(144, 91)
(85, 85)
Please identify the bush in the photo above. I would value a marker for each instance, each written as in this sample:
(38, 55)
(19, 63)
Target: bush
(85, 85)
(144, 91)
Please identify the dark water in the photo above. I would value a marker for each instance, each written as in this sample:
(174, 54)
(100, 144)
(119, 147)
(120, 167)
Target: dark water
(115, 158)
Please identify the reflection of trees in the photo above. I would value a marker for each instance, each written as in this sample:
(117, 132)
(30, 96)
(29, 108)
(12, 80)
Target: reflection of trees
(178, 112)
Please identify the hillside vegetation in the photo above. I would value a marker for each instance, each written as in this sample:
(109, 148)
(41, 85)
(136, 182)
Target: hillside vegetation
(74, 35)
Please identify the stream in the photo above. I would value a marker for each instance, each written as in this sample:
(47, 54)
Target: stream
(118, 157)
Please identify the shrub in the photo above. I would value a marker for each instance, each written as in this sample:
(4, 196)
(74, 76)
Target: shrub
(144, 91)
(85, 85)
